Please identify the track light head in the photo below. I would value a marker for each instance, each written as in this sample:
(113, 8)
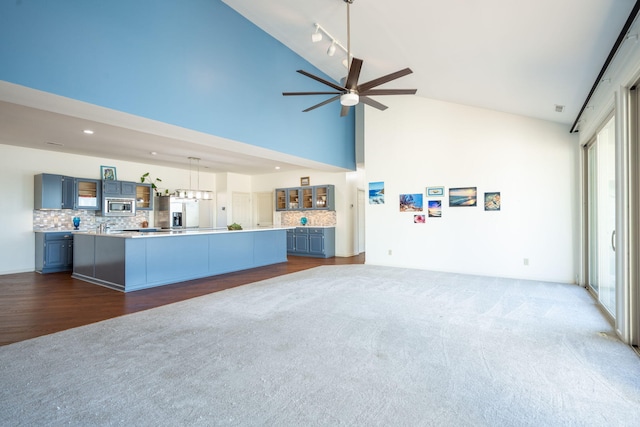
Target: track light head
(332, 49)
(317, 36)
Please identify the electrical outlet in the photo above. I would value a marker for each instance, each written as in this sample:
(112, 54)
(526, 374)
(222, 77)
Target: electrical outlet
(390, 252)
(526, 261)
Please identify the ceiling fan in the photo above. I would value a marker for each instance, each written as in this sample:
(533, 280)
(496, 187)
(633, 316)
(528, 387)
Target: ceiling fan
(352, 93)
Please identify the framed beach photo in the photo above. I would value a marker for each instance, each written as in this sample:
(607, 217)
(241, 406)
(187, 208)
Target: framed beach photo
(376, 193)
(108, 173)
(434, 208)
(463, 196)
(411, 203)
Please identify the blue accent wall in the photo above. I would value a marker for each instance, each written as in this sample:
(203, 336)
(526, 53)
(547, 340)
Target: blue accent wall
(193, 63)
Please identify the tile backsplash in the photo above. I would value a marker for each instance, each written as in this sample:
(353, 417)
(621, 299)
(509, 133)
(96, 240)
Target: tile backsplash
(317, 218)
(51, 220)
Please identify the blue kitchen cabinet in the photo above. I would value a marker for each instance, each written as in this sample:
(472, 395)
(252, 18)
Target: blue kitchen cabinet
(125, 189)
(51, 191)
(54, 252)
(144, 197)
(291, 242)
(317, 242)
(301, 241)
(87, 194)
(317, 197)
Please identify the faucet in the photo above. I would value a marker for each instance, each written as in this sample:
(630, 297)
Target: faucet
(104, 227)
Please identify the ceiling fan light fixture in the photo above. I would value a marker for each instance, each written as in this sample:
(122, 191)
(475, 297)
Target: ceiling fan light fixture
(349, 99)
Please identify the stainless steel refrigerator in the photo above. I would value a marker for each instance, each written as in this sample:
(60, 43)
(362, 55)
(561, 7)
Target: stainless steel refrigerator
(171, 212)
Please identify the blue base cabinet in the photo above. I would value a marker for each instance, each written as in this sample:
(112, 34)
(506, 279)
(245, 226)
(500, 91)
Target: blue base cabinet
(54, 252)
(319, 242)
(133, 263)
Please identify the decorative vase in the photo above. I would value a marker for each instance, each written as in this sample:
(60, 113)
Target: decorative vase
(76, 222)
(303, 220)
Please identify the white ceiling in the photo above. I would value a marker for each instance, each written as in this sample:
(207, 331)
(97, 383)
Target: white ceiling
(512, 56)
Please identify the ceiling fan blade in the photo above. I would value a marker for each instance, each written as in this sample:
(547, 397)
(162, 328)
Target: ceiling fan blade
(373, 103)
(344, 110)
(310, 93)
(389, 92)
(354, 74)
(384, 79)
(333, 98)
(323, 81)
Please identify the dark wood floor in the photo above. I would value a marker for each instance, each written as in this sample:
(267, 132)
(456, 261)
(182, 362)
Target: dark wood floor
(33, 304)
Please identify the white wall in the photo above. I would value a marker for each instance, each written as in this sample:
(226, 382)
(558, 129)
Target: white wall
(19, 165)
(418, 143)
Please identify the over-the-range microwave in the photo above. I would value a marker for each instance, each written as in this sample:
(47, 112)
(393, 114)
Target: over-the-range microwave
(113, 206)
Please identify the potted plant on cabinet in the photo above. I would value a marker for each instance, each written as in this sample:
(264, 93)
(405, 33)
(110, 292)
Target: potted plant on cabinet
(146, 178)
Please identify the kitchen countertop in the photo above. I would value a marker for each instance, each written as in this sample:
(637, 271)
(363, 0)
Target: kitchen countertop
(169, 233)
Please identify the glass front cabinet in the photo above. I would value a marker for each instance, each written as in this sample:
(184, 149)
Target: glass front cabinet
(144, 197)
(318, 197)
(87, 194)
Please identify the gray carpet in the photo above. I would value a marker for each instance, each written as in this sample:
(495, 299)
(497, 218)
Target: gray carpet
(342, 345)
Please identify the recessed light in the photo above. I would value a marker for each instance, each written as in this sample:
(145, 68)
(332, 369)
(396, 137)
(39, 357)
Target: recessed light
(277, 167)
(88, 131)
(153, 153)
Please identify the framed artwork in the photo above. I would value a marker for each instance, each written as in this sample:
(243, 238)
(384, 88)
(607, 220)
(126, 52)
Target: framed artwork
(434, 208)
(376, 193)
(418, 219)
(108, 173)
(411, 203)
(492, 201)
(304, 180)
(463, 196)
(435, 191)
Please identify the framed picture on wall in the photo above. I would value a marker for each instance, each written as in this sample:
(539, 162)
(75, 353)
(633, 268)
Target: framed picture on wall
(376, 193)
(435, 191)
(305, 180)
(108, 173)
(463, 196)
(492, 201)
(411, 203)
(434, 208)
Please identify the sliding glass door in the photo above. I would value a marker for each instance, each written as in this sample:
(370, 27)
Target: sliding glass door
(601, 200)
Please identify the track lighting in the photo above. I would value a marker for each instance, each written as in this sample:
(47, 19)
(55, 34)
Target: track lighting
(318, 36)
(332, 49)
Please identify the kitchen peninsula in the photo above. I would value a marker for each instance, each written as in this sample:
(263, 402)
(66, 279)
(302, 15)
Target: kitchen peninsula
(129, 261)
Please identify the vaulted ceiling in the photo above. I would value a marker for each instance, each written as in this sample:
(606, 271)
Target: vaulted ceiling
(518, 57)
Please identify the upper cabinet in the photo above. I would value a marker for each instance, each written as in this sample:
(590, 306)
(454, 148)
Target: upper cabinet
(144, 197)
(119, 189)
(87, 194)
(305, 198)
(52, 191)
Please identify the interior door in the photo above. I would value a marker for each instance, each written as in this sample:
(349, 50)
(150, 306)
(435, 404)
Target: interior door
(361, 230)
(241, 209)
(264, 209)
(601, 201)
